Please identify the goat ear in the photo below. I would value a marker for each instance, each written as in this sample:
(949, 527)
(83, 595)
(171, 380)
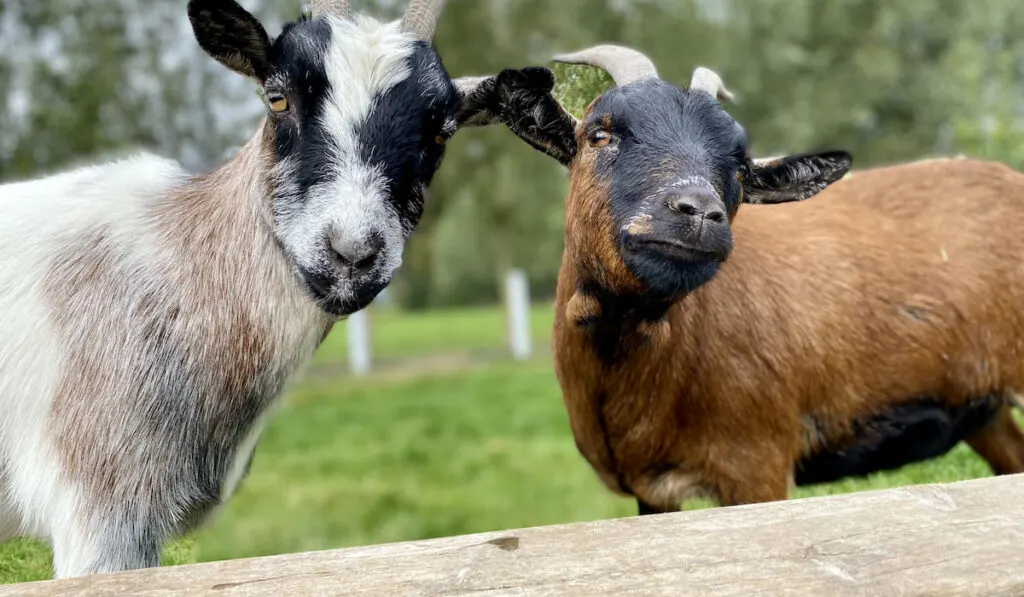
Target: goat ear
(522, 101)
(232, 36)
(793, 178)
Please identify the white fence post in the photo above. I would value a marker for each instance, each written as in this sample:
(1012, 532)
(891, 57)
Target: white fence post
(360, 353)
(517, 294)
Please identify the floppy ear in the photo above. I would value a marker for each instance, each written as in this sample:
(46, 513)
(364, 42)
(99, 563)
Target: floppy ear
(793, 178)
(231, 36)
(522, 101)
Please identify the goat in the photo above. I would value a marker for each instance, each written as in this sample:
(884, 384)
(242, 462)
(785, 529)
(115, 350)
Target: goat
(707, 350)
(151, 320)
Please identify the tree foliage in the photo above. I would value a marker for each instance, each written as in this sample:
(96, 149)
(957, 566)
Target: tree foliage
(889, 81)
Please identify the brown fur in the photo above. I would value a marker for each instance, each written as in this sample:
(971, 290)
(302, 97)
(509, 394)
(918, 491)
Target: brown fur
(591, 245)
(901, 282)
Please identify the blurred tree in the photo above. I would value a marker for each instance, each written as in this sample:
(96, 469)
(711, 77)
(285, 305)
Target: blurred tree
(889, 81)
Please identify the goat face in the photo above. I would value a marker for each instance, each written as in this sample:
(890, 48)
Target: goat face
(667, 161)
(368, 114)
(358, 116)
(657, 172)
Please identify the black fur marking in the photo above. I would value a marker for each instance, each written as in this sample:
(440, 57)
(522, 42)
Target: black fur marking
(795, 178)
(522, 101)
(320, 283)
(299, 72)
(665, 275)
(908, 433)
(365, 293)
(232, 36)
(645, 509)
(920, 314)
(400, 134)
(614, 334)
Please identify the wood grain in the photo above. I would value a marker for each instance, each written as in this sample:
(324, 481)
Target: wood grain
(936, 540)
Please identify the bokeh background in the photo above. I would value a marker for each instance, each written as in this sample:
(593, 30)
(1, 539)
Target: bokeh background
(448, 434)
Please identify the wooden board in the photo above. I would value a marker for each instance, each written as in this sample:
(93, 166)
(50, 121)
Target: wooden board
(937, 540)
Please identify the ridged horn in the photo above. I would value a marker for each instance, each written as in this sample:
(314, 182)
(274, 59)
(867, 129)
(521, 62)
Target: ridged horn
(421, 18)
(708, 81)
(335, 7)
(624, 65)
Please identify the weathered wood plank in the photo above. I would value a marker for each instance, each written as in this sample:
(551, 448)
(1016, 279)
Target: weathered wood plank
(960, 539)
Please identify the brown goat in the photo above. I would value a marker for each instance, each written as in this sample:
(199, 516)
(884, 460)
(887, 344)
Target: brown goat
(877, 325)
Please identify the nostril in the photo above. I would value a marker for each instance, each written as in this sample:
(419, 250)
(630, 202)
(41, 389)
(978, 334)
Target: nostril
(715, 215)
(359, 260)
(367, 262)
(358, 257)
(683, 205)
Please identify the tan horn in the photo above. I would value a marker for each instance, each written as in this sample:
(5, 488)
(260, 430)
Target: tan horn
(421, 18)
(325, 7)
(625, 65)
(708, 81)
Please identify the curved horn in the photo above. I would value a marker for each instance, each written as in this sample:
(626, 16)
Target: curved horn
(625, 65)
(335, 7)
(421, 18)
(708, 81)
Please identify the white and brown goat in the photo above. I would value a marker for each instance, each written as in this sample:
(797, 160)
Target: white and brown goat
(150, 320)
(704, 349)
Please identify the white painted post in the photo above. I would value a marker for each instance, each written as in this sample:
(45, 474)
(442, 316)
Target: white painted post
(360, 353)
(517, 293)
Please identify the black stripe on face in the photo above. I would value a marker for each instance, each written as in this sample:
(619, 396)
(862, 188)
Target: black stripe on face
(400, 135)
(298, 59)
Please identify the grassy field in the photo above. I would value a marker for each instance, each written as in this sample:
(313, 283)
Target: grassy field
(450, 333)
(389, 458)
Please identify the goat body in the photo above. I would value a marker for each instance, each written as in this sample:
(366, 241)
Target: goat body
(876, 325)
(717, 335)
(148, 323)
(150, 320)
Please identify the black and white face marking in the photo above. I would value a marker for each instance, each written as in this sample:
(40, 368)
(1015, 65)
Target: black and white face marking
(359, 114)
(368, 113)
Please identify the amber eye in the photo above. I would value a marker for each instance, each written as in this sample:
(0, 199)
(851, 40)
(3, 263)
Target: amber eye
(278, 102)
(600, 138)
(440, 140)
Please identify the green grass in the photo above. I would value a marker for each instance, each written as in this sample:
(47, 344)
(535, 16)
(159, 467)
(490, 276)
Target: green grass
(355, 462)
(398, 335)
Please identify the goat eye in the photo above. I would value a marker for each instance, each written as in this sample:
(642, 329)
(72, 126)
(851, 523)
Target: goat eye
(278, 102)
(599, 138)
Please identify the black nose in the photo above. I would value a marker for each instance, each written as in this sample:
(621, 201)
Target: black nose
(358, 256)
(696, 203)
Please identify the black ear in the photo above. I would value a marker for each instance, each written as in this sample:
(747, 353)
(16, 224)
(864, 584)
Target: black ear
(793, 178)
(522, 101)
(231, 36)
